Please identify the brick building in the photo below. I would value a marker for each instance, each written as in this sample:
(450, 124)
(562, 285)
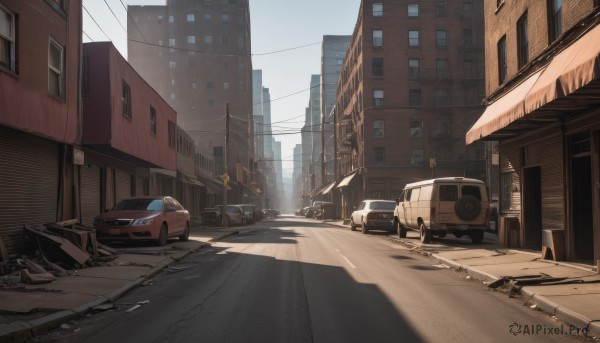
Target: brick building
(196, 54)
(543, 96)
(411, 86)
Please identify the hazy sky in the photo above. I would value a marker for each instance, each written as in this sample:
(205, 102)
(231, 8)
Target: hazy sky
(276, 25)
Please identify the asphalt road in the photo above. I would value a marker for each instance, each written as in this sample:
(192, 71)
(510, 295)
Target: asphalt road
(295, 280)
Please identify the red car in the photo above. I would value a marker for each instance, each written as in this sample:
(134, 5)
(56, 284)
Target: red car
(144, 218)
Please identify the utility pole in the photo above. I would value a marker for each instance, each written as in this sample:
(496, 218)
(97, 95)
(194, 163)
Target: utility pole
(225, 167)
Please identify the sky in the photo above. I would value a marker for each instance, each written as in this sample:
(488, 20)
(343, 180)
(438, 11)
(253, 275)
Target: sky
(276, 25)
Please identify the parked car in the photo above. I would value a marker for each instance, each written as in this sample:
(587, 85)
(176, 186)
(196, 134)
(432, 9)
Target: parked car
(436, 207)
(211, 216)
(373, 214)
(235, 215)
(144, 218)
(308, 212)
(250, 211)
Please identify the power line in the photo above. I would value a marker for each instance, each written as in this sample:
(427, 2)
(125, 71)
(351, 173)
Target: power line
(114, 15)
(87, 35)
(283, 50)
(95, 22)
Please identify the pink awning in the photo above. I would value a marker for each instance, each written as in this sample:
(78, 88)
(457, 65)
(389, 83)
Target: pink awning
(571, 69)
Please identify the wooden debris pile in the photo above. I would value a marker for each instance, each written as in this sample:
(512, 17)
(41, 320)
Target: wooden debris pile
(60, 248)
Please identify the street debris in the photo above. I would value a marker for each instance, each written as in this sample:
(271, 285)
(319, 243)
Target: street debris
(138, 305)
(54, 250)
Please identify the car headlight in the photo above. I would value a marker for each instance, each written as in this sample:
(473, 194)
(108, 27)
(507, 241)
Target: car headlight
(143, 221)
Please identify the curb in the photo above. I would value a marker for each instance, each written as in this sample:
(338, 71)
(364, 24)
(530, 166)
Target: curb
(594, 329)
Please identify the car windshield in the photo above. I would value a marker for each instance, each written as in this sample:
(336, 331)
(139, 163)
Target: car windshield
(382, 205)
(139, 205)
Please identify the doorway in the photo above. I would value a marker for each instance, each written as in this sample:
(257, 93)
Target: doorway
(532, 201)
(582, 208)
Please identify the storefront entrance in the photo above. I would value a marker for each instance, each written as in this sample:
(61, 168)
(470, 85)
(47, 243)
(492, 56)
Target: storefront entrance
(582, 217)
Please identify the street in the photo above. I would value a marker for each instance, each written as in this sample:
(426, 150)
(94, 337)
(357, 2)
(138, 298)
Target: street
(298, 280)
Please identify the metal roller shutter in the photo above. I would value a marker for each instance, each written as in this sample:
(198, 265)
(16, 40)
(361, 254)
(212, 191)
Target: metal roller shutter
(122, 185)
(29, 182)
(140, 183)
(553, 205)
(91, 204)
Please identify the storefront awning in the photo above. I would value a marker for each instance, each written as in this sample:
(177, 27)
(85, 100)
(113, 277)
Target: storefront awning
(346, 181)
(558, 87)
(191, 180)
(328, 188)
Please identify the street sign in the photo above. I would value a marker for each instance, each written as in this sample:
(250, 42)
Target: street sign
(225, 178)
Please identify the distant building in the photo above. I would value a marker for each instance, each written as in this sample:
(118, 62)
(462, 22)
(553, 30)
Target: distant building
(411, 86)
(197, 56)
(311, 142)
(333, 52)
(297, 189)
(543, 101)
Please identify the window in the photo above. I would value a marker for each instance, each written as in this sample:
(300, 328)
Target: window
(448, 193)
(414, 68)
(414, 97)
(416, 157)
(468, 38)
(152, 120)
(159, 19)
(378, 66)
(502, 60)
(171, 19)
(208, 40)
(442, 97)
(378, 128)
(171, 41)
(55, 69)
(442, 69)
(413, 38)
(377, 9)
(555, 19)
(172, 134)
(172, 64)
(225, 18)
(413, 10)
(441, 8)
(126, 100)
(191, 17)
(7, 39)
(522, 41)
(467, 9)
(379, 156)
(191, 39)
(377, 38)
(226, 85)
(209, 85)
(416, 128)
(378, 98)
(443, 127)
(441, 39)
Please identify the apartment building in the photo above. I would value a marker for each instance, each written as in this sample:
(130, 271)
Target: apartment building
(411, 86)
(543, 101)
(196, 54)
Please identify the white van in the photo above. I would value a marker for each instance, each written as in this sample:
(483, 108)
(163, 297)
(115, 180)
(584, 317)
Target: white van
(439, 206)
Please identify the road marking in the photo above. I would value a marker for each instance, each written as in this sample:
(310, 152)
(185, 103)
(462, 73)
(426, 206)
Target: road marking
(346, 259)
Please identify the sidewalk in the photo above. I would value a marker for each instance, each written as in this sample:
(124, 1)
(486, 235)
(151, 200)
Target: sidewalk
(29, 310)
(568, 291)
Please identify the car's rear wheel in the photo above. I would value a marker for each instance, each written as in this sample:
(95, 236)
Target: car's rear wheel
(365, 229)
(425, 233)
(400, 230)
(186, 233)
(163, 236)
(476, 236)
(352, 225)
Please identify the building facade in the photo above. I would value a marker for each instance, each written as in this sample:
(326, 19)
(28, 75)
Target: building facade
(40, 118)
(130, 145)
(411, 86)
(543, 101)
(196, 54)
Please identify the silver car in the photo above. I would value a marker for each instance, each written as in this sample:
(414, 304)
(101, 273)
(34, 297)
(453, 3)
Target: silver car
(373, 214)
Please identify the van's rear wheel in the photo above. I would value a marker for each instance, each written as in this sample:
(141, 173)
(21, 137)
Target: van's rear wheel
(476, 236)
(400, 230)
(425, 233)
